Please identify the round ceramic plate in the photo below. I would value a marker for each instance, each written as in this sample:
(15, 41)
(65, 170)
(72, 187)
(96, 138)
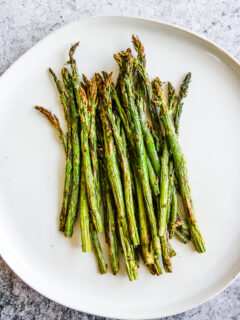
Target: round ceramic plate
(32, 167)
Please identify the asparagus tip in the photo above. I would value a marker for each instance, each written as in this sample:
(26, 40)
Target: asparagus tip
(73, 49)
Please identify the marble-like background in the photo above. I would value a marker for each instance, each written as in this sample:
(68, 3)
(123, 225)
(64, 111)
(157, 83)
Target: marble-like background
(25, 22)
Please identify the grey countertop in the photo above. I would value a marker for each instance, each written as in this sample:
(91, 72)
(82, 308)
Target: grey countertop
(25, 22)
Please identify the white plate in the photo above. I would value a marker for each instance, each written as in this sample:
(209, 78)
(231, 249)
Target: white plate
(32, 163)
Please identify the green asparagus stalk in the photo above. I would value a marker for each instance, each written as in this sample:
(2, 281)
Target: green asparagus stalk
(180, 167)
(164, 183)
(126, 170)
(92, 94)
(84, 216)
(112, 235)
(91, 88)
(98, 250)
(153, 178)
(73, 201)
(147, 253)
(147, 135)
(171, 190)
(93, 200)
(178, 110)
(108, 208)
(140, 65)
(182, 94)
(181, 236)
(68, 167)
(174, 211)
(140, 148)
(116, 185)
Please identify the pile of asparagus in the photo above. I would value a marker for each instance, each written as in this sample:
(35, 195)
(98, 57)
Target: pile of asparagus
(116, 160)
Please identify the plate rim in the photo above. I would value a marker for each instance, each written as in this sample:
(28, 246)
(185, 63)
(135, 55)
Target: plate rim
(217, 47)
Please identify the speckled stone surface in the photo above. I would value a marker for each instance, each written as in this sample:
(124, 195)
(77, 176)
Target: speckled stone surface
(25, 22)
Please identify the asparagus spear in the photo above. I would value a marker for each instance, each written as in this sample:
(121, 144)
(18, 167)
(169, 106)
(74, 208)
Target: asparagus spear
(182, 94)
(116, 185)
(181, 236)
(180, 167)
(124, 162)
(147, 253)
(140, 65)
(164, 183)
(128, 95)
(92, 100)
(163, 208)
(178, 111)
(73, 201)
(166, 253)
(171, 190)
(68, 167)
(52, 118)
(153, 178)
(147, 135)
(86, 160)
(174, 211)
(98, 250)
(112, 236)
(108, 208)
(84, 216)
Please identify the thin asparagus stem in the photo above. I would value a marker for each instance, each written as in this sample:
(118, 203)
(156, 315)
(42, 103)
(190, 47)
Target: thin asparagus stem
(171, 189)
(92, 105)
(140, 65)
(73, 201)
(98, 250)
(68, 167)
(180, 167)
(174, 211)
(108, 208)
(93, 200)
(166, 253)
(128, 95)
(147, 135)
(52, 118)
(147, 253)
(126, 170)
(84, 216)
(164, 183)
(182, 94)
(116, 185)
(181, 236)
(153, 178)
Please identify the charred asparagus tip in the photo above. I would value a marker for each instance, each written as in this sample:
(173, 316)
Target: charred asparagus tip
(73, 49)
